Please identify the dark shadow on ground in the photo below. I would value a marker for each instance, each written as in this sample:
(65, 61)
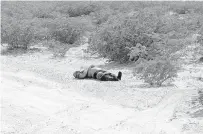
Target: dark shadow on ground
(19, 51)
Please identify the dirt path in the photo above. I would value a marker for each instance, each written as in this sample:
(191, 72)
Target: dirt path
(31, 106)
(39, 95)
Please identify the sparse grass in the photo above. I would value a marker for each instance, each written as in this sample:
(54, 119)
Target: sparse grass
(161, 27)
(156, 72)
(24, 23)
(116, 27)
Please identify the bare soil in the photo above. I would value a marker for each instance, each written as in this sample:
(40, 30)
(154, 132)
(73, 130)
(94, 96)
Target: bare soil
(40, 95)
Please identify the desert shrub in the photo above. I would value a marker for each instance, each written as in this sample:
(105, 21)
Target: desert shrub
(43, 15)
(156, 72)
(139, 51)
(41, 34)
(182, 10)
(101, 16)
(74, 9)
(61, 35)
(57, 48)
(40, 29)
(65, 34)
(15, 31)
(185, 7)
(16, 28)
(81, 10)
(179, 26)
(66, 30)
(173, 48)
(159, 62)
(200, 92)
(121, 32)
(26, 23)
(17, 35)
(4, 49)
(110, 8)
(196, 6)
(42, 9)
(200, 37)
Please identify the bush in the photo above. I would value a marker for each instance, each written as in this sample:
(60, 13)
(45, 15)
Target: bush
(43, 15)
(75, 9)
(81, 10)
(156, 72)
(101, 16)
(4, 48)
(26, 23)
(200, 98)
(121, 32)
(57, 48)
(65, 34)
(65, 30)
(200, 36)
(137, 52)
(17, 35)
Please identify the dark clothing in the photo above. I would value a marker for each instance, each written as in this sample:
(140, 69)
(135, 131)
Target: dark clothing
(99, 71)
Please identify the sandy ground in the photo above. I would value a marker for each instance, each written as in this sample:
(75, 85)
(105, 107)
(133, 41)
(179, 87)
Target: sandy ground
(40, 95)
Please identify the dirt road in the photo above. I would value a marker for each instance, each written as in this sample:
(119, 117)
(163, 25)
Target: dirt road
(39, 95)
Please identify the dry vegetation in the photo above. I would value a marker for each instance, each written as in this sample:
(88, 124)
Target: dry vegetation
(120, 31)
(157, 39)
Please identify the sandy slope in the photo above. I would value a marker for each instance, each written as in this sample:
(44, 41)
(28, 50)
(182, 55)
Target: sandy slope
(39, 95)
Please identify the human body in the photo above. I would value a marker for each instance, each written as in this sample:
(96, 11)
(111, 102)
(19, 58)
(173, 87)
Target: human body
(97, 73)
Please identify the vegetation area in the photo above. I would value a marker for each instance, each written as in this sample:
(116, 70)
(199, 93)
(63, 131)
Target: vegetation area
(150, 34)
(53, 23)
